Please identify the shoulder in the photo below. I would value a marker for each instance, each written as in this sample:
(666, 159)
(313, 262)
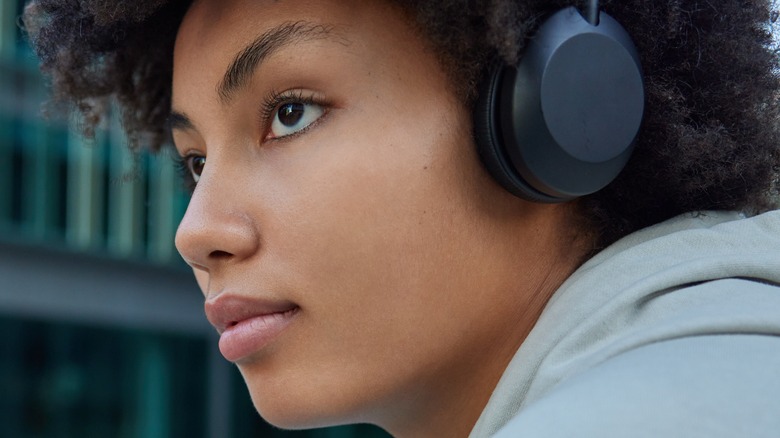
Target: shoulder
(700, 386)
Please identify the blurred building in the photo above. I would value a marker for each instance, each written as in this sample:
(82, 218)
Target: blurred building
(102, 332)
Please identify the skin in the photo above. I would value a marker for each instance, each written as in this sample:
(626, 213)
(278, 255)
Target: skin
(416, 276)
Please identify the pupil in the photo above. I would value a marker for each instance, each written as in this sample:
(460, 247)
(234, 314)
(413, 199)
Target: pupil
(290, 113)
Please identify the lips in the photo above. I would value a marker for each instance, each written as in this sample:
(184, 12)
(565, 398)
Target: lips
(245, 325)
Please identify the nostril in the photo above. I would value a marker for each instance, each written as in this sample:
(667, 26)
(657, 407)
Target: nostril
(219, 255)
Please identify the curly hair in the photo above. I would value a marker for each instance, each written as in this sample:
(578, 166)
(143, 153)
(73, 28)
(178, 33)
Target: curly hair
(709, 139)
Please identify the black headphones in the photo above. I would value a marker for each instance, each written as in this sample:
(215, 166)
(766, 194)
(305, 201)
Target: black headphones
(562, 123)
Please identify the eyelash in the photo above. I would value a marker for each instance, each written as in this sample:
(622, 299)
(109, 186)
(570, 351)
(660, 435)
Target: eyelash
(183, 169)
(274, 100)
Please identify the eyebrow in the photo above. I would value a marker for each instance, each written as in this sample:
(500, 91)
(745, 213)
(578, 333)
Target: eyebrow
(247, 60)
(177, 120)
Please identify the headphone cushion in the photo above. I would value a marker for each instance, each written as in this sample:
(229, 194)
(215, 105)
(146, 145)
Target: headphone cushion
(488, 139)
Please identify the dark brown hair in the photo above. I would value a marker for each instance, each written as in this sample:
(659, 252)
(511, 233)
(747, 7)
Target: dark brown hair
(709, 139)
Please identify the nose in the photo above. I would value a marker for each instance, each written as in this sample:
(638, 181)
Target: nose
(217, 228)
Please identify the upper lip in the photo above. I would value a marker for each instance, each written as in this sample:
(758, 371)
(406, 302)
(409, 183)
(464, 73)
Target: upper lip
(226, 310)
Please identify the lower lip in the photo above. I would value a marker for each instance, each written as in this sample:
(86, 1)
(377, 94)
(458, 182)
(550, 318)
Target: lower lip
(253, 334)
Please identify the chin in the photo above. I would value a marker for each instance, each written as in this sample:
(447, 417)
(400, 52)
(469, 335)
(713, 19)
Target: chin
(290, 415)
(299, 405)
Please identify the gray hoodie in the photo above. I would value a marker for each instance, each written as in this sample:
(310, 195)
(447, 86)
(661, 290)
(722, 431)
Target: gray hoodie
(674, 331)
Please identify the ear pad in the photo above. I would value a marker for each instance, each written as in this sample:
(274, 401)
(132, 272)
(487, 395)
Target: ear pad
(562, 123)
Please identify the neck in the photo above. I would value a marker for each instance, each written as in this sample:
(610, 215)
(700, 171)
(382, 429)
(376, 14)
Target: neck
(450, 397)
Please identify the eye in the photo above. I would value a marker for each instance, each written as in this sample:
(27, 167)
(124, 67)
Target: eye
(292, 117)
(193, 166)
(189, 168)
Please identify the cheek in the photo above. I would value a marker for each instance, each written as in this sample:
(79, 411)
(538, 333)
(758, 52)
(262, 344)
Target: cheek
(383, 203)
(376, 231)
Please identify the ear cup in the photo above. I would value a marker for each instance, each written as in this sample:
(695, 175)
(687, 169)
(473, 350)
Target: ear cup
(562, 123)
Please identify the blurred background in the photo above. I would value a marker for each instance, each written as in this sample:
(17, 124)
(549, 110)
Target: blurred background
(102, 332)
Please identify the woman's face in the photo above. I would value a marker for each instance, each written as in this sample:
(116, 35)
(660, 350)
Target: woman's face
(361, 264)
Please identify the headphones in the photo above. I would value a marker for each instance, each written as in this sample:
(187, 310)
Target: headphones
(562, 123)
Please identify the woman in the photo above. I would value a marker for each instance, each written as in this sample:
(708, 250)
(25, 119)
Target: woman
(361, 264)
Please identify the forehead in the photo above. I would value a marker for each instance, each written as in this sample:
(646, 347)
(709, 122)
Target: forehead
(236, 21)
(214, 32)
